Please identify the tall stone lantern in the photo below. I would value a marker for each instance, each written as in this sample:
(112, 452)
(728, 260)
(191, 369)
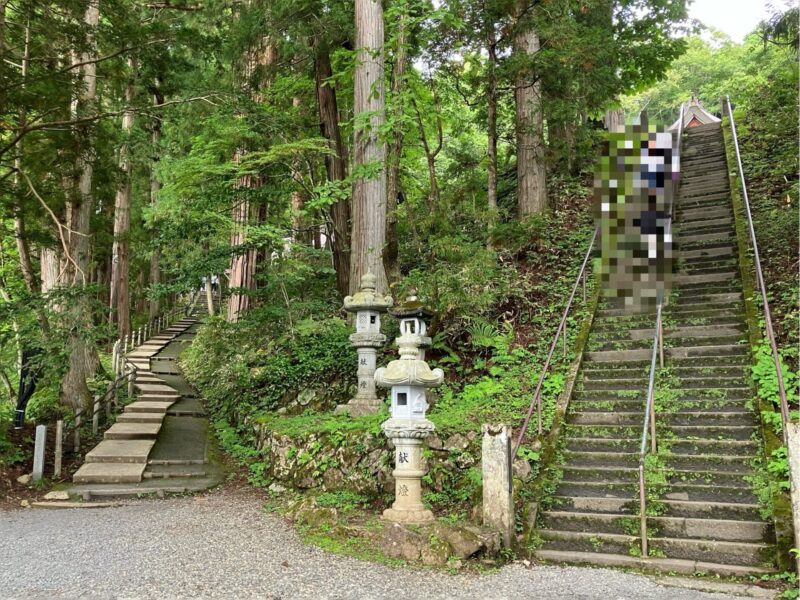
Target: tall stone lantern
(368, 307)
(408, 379)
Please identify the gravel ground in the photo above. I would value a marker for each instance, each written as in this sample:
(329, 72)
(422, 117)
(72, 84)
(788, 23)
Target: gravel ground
(220, 545)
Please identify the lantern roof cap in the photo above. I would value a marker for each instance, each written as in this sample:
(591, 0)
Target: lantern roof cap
(412, 306)
(367, 298)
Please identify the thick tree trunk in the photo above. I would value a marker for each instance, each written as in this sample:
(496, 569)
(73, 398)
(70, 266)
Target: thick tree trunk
(120, 285)
(243, 263)
(614, 119)
(155, 187)
(531, 178)
(369, 194)
(431, 153)
(83, 361)
(335, 166)
(391, 256)
(491, 122)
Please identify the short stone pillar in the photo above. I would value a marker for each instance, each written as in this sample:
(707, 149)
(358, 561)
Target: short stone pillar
(408, 379)
(38, 452)
(498, 502)
(367, 305)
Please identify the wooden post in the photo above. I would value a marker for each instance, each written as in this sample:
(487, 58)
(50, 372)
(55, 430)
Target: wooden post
(76, 438)
(584, 285)
(131, 382)
(59, 449)
(95, 414)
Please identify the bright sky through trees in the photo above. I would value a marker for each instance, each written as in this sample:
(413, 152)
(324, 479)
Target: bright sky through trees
(737, 18)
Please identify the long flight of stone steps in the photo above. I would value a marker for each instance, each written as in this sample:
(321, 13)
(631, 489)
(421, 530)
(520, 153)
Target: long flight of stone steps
(159, 442)
(706, 517)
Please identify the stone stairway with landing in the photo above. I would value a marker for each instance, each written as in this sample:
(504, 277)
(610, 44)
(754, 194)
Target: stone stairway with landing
(159, 443)
(701, 493)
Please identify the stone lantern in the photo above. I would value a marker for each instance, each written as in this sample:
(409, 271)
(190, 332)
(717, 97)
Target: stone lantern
(367, 306)
(408, 379)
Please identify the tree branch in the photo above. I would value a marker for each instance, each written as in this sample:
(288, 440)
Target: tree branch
(92, 118)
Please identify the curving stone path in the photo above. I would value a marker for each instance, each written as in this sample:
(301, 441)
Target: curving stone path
(222, 545)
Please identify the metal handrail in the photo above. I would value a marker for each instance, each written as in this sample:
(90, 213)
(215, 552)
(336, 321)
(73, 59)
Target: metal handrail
(784, 404)
(536, 402)
(658, 351)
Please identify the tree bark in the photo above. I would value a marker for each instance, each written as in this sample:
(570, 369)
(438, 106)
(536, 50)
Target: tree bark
(335, 165)
(120, 266)
(83, 361)
(531, 177)
(391, 256)
(491, 121)
(431, 153)
(209, 296)
(155, 187)
(243, 263)
(369, 194)
(614, 119)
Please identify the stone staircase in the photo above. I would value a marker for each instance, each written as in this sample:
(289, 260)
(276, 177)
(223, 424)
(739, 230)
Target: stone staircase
(159, 442)
(705, 514)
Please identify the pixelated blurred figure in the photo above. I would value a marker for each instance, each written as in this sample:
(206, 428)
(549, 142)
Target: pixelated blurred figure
(633, 191)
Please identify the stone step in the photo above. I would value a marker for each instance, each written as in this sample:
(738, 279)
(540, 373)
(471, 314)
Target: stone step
(704, 221)
(718, 432)
(660, 565)
(140, 417)
(93, 472)
(706, 253)
(154, 471)
(156, 390)
(713, 510)
(685, 393)
(746, 554)
(711, 350)
(640, 383)
(120, 451)
(716, 236)
(628, 491)
(147, 407)
(617, 356)
(668, 420)
(671, 527)
(690, 215)
(706, 278)
(597, 372)
(132, 431)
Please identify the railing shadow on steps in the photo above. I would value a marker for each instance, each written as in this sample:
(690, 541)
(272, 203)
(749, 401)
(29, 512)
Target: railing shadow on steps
(649, 424)
(108, 403)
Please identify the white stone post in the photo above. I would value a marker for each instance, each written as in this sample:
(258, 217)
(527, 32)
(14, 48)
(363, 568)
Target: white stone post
(408, 379)
(793, 452)
(498, 503)
(38, 452)
(367, 306)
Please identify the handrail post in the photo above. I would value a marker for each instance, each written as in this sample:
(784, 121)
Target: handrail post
(584, 286)
(131, 382)
(642, 508)
(76, 437)
(661, 343)
(96, 414)
(565, 339)
(59, 449)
